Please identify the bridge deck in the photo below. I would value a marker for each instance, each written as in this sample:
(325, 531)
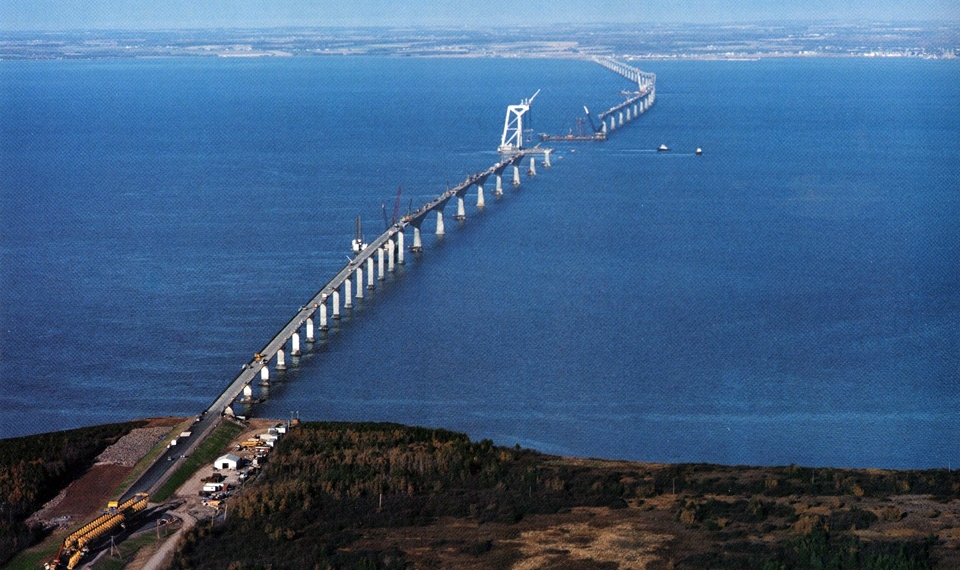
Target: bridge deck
(248, 374)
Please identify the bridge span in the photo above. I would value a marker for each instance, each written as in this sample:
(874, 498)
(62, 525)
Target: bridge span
(637, 102)
(348, 284)
(382, 255)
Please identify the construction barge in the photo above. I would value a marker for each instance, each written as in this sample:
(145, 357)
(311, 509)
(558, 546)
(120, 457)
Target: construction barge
(601, 136)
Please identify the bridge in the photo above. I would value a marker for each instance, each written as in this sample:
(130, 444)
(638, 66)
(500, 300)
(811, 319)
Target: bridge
(379, 257)
(371, 264)
(637, 103)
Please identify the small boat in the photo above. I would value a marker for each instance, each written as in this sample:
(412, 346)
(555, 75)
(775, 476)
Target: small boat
(699, 151)
(663, 148)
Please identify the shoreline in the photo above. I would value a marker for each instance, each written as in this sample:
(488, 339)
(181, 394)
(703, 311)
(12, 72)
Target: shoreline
(174, 421)
(646, 42)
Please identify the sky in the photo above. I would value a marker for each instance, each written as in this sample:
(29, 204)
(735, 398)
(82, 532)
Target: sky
(53, 15)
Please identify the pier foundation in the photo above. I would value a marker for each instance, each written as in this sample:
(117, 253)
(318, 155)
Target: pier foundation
(417, 243)
(380, 274)
(295, 344)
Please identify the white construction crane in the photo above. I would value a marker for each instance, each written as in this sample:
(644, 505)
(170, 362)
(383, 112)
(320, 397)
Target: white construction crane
(512, 139)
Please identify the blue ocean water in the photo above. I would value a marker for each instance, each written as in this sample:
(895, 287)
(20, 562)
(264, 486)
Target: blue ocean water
(791, 296)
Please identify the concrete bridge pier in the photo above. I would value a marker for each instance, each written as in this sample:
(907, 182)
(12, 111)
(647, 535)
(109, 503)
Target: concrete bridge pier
(281, 360)
(295, 344)
(311, 337)
(336, 305)
(532, 170)
(480, 203)
(461, 211)
(380, 274)
(417, 243)
(439, 222)
(635, 113)
(516, 175)
(323, 316)
(358, 275)
(546, 159)
(248, 392)
(613, 123)
(498, 191)
(400, 247)
(264, 374)
(390, 256)
(370, 284)
(620, 118)
(347, 294)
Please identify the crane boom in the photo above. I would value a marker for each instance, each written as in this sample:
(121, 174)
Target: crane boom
(396, 205)
(589, 116)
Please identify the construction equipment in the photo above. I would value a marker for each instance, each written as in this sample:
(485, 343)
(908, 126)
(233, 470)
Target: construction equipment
(396, 209)
(358, 245)
(513, 132)
(590, 118)
(77, 544)
(396, 205)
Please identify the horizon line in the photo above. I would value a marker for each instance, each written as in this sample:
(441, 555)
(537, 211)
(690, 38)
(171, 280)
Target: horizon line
(478, 29)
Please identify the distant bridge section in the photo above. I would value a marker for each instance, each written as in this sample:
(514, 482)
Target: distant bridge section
(645, 80)
(637, 102)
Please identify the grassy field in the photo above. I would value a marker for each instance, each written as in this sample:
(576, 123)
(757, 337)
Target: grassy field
(127, 550)
(33, 558)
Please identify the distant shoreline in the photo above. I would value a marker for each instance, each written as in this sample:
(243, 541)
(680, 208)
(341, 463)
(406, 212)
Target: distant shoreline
(926, 40)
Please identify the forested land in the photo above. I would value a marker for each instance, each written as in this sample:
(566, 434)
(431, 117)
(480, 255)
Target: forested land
(328, 486)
